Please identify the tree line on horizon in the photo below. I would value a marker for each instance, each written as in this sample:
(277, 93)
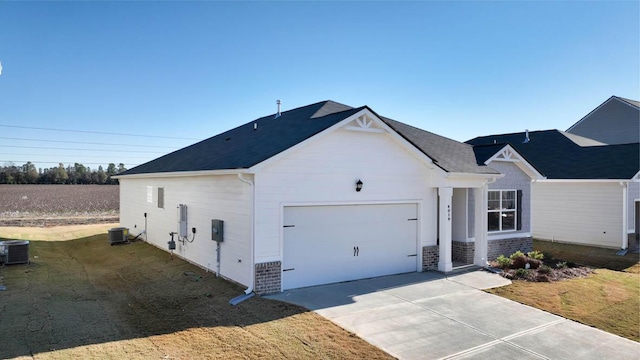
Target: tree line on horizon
(76, 174)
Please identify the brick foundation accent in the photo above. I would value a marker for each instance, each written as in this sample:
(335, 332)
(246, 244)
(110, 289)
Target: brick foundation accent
(268, 278)
(463, 251)
(430, 257)
(507, 247)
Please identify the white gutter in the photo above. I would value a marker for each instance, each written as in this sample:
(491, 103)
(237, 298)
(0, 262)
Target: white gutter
(182, 174)
(253, 232)
(583, 180)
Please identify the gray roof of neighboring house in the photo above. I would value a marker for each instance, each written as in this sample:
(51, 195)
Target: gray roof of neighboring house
(628, 101)
(244, 147)
(557, 155)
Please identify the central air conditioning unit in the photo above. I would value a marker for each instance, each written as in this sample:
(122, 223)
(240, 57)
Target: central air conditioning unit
(14, 252)
(118, 235)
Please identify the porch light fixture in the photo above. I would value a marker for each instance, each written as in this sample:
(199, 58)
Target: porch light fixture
(359, 185)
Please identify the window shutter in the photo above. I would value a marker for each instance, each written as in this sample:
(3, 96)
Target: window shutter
(519, 210)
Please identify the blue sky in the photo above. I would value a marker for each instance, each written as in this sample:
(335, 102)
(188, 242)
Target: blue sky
(190, 70)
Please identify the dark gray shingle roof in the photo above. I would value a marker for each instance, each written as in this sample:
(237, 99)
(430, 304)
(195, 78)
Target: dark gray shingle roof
(557, 156)
(244, 147)
(450, 155)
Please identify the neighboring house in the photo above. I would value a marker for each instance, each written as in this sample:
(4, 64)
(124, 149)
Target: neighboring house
(320, 194)
(584, 191)
(615, 121)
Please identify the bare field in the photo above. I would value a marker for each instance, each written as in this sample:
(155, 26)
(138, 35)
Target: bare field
(48, 205)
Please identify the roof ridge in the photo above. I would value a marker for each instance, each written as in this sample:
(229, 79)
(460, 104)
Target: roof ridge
(631, 102)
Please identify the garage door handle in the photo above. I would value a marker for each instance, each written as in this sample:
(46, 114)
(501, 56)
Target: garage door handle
(356, 251)
(289, 269)
(412, 255)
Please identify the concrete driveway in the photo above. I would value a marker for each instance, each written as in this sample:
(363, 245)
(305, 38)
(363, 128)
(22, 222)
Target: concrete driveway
(432, 316)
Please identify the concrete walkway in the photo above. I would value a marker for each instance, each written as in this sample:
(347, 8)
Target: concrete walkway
(430, 316)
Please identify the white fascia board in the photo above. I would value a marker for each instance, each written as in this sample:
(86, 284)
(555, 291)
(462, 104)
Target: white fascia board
(412, 149)
(183, 174)
(636, 177)
(453, 175)
(469, 180)
(583, 180)
(517, 159)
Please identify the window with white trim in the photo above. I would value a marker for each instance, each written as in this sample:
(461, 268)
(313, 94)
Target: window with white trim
(161, 197)
(502, 210)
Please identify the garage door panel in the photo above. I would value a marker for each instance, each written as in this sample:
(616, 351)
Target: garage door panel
(324, 244)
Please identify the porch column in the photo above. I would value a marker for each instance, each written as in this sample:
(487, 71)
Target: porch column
(445, 194)
(480, 229)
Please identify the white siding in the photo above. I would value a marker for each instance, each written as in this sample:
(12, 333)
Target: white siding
(207, 197)
(577, 212)
(325, 171)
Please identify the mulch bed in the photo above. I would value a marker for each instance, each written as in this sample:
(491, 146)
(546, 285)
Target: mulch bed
(550, 270)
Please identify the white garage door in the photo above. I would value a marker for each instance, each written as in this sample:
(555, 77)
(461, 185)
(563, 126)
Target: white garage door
(326, 244)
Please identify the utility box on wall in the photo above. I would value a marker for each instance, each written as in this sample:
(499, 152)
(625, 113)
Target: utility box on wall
(217, 230)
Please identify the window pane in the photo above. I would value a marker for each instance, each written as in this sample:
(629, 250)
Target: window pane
(494, 221)
(509, 200)
(493, 202)
(161, 198)
(509, 220)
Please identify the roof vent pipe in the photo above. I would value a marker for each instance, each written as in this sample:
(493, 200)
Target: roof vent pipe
(278, 102)
(526, 136)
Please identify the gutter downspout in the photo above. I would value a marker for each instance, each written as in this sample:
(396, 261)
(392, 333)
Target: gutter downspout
(625, 220)
(253, 232)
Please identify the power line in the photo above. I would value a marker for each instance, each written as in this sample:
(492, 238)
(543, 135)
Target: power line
(97, 132)
(87, 143)
(55, 148)
(84, 156)
(58, 162)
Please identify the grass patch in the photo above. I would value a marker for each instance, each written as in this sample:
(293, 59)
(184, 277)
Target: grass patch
(55, 233)
(591, 256)
(86, 299)
(608, 299)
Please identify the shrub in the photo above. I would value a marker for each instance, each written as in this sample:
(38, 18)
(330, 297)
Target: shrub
(519, 262)
(544, 269)
(503, 261)
(522, 273)
(561, 265)
(535, 255)
(516, 254)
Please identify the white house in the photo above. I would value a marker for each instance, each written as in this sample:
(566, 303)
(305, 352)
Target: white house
(318, 194)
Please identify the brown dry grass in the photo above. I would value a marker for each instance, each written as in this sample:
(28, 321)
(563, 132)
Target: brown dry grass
(85, 299)
(608, 299)
(55, 233)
